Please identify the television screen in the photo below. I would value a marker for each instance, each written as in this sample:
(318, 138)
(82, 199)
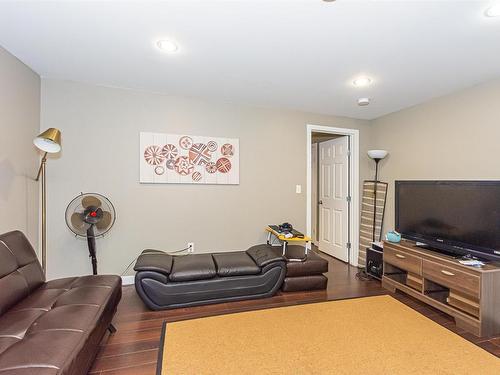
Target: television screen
(458, 216)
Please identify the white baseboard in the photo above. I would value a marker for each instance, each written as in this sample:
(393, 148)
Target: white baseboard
(128, 280)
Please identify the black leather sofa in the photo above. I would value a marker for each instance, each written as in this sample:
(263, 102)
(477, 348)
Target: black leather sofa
(164, 281)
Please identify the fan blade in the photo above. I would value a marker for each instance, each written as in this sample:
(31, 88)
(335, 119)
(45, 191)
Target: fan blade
(104, 223)
(90, 200)
(77, 221)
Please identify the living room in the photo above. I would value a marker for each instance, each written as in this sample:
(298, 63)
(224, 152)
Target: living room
(186, 129)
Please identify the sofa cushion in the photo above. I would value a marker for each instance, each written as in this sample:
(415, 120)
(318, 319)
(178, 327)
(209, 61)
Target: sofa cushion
(42, 350)
(14, 324)
(20, 272)
(77, 317)
(313, 265)
(236, 263)
(8, 263)
(301, 283)
(264, 255)
(40, 299)
(192, 267)
(156, 261)
(64, 283)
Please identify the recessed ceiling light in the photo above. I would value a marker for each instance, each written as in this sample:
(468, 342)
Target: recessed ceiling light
(167, 45)
(493, 11)
(362, 82)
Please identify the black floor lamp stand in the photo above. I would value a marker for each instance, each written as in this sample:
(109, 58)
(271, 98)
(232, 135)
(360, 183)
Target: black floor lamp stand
(376, 155)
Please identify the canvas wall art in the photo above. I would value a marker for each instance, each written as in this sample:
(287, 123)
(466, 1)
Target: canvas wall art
(188, 159)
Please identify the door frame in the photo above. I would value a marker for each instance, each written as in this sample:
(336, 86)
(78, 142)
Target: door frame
(314, 194)
(353, 182)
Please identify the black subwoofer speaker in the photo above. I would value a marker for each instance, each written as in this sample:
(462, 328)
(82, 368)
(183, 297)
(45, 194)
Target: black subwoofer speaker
(374, 263)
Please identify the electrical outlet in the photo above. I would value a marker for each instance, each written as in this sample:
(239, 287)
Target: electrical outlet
(190, 247)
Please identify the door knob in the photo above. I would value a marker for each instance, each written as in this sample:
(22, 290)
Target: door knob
(320, 202)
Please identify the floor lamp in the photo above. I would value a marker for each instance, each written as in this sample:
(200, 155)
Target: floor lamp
(376, 155)
(48, 142)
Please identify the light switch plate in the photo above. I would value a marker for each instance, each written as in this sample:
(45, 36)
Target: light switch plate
(298, 189)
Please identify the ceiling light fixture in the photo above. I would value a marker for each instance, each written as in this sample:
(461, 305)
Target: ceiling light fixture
(362, 82)
(363, 102)
(493, 11)
(167, 45)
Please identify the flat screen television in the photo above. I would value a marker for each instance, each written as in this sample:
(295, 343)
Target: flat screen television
(456, 217)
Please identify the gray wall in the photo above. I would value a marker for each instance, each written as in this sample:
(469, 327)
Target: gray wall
(452, 137)
(19, 124)
(100, 128)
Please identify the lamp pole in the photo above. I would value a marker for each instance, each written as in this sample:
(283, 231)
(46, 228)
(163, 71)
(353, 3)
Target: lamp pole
(375, 185)
(49, 142)
(41, 173)
(376, 155)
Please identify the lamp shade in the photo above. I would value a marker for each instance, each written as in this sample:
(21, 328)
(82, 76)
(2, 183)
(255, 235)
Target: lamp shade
(49, 141)
(377, 154)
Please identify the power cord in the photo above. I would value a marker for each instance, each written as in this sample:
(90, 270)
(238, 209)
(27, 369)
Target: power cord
(363, 276)
(165, 252)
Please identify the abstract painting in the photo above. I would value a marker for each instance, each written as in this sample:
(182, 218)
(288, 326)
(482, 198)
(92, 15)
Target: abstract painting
(188, 159)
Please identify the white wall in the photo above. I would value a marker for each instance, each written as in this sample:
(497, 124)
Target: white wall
(452, 137)
(19, 124)
(100, 129)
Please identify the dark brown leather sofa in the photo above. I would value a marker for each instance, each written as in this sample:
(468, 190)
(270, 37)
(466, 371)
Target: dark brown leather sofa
(49, 328)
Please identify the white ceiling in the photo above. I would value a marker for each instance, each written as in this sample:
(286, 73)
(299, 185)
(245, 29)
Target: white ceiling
(300, 54)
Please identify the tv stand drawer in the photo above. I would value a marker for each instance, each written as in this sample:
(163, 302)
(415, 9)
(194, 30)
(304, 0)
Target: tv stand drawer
(403, 260)
(452, 278)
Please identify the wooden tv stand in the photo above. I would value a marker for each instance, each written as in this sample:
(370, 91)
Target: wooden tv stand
(468, 294)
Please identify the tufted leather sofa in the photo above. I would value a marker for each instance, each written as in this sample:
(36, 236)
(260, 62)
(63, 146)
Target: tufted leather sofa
(49, 328)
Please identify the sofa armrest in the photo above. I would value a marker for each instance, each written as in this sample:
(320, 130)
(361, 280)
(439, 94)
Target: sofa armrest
(263, 255)
(155, 261)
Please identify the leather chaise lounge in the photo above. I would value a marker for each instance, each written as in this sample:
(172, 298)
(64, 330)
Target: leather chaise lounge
(164, 281)
(49, 328)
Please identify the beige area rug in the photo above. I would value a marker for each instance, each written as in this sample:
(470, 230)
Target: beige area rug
(373, 335)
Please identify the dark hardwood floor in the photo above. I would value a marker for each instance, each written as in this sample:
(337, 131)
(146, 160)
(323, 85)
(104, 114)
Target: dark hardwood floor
(133, 349)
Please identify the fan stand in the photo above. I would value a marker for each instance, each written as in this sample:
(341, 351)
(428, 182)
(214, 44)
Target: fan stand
(91, 244)
(90, 215)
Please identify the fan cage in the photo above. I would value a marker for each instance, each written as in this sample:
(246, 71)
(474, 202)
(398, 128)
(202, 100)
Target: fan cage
(79, 198)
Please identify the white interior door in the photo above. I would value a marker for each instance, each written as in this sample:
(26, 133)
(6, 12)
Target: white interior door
(333, 193)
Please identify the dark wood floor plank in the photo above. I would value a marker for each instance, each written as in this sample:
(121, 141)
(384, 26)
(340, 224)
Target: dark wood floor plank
(139, 325)
(133, 348)
(123, 361)
(496, 341)
(127, 348)
(133, 336)
(142, 369)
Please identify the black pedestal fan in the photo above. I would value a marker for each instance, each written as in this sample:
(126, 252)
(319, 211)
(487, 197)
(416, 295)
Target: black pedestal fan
(90, 215)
